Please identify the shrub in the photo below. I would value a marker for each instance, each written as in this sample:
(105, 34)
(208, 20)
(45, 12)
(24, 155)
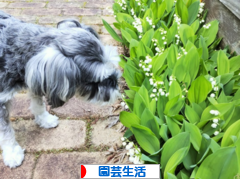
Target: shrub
(184, 96)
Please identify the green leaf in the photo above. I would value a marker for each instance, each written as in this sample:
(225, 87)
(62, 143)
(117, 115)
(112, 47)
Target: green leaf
(199, 90)
(211, 33)
(173, 106)
(128, 119)
(124, 17)
(148, 120)
(169, 4)
(195, 25)
(191, 115)
(195, 135)
(175, 90)
(193, 10)
(172, 56)
(173, 126)
(146, 138)
(234, 63)
(126, 35)
(222, 164)
(223, 63)
(163, 132)
(139, 105)
(161, 9)
(112, 31)
(147, 37)
(172, 145)
(233, 130)
(175, 160)
(226, 78)
(186, 33)
(158, 61)
(203, 45)
(182, 11)
(151, 159)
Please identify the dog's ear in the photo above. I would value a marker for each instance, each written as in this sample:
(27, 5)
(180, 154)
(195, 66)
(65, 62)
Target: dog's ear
(90, 29)
(53, 75)
(68, 23)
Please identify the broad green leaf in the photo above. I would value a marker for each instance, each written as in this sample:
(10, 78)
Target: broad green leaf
(234, 63)
(223, 63)
(233, 130)
(158, 61)
(147, 37)
(226, 78)
(173, 106)
(161, 9)
(161, 103)
(186, 33)
(205, 146)
(171, 33)
(126, 35)
(172, 145)
(148, 120)
(128, 119)
(199, 90)
(151, 159)
(146, 138)
(193, 10)
(124, 17)
(175, 160)
(195, 25)
(173, 126)
(203, 45)
(211, 33)
(112, 31)
(191, 115)
(163, 132)
(175, 90)
(132, 33)
(222, 164)
(190, 159)
(169, 4)
(172, 56)
(171, 176)
(195, 135)
(182, 11)
(139, 105)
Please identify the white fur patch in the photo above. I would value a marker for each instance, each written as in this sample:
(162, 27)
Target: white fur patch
(13, 155)
(46, 120)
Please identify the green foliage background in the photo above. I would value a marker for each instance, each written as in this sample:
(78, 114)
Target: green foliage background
(199, 83)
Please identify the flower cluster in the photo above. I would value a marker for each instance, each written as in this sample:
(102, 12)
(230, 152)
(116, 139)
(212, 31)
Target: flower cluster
(146, 66)
(215, 121)
(207, 26)
(150, 22)
(132, 11)
(134, 152)
(201, 9)
(123, 4)
(138, 25)
(214, 86)
(124, 105)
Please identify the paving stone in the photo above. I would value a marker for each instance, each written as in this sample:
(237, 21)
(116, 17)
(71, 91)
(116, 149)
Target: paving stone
(22, 172)
(13, 12)
(229, 24)
(68, 134)
(26, 5)
(80, 12)
(97, 20)
(65, 165)
(75, 108)
(3, 4)
(20, 107)
(64, 5)
(54, 19)
(108, 40)
(98, 4)
(41, 12)
(106, 136)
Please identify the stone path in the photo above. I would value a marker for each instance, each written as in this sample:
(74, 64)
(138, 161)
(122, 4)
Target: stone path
(82, 136)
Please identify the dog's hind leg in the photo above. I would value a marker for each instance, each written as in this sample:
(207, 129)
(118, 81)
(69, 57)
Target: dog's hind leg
(42, 117)
(13, 154)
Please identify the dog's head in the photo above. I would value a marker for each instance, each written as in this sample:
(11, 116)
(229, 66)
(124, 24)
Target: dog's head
(75, 62)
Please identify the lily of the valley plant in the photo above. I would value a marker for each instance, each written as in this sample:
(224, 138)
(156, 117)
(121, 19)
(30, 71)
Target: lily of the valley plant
(184, 96)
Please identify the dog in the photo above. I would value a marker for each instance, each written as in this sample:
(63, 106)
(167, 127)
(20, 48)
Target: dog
(57, 63)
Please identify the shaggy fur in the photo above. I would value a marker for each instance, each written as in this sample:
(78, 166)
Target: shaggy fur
(57, 63)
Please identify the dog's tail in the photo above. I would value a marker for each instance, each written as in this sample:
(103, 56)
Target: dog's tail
(105, 91)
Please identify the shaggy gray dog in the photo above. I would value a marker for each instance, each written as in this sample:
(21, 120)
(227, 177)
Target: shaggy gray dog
(57, 63)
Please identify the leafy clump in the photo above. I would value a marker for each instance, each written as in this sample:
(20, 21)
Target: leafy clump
(184, 96)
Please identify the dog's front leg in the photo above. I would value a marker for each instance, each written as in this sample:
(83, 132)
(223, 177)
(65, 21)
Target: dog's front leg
(42, 117)
(13, 154)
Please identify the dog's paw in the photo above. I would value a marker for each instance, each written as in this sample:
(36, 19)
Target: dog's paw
(13, 156)
(47, 120)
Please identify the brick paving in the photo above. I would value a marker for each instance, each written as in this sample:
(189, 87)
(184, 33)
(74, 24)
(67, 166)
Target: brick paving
(82, 136)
